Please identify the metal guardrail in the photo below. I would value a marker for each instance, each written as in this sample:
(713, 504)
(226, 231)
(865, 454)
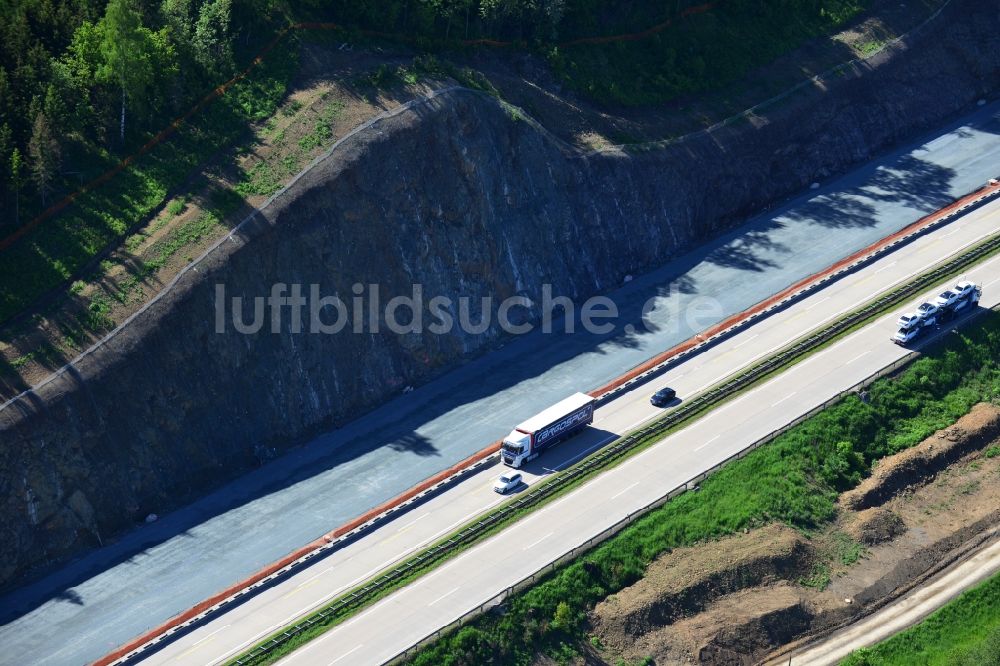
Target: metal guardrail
(605, 397)
(797, 296)
(571, 554)
(621, 446)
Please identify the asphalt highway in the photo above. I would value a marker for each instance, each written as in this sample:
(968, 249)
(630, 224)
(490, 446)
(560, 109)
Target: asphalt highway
(479, 574)
(110, 595)
(541, 537)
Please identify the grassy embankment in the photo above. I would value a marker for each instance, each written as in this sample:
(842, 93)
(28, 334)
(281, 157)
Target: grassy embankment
(697, 53)
(700, 52)
(966, 632)
(58, 248)
(795, 479)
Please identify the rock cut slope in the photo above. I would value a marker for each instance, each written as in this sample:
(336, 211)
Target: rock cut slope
(466, 197)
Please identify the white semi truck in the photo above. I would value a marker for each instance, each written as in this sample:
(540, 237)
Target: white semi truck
(543, 430)
(945, 306)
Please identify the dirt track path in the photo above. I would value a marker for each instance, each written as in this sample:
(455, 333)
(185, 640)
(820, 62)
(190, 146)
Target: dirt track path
(901, 614)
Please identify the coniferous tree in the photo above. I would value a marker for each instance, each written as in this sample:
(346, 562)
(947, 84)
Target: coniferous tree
(43, 149)
(16, 180)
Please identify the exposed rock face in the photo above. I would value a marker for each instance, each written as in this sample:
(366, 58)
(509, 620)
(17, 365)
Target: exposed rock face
(453, 194)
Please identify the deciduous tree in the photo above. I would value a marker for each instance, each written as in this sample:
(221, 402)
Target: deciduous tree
(132, 56)
(212, 36)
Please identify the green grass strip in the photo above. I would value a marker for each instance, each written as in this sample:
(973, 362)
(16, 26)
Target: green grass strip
(289, 638)
(965, 632)
(794, 480)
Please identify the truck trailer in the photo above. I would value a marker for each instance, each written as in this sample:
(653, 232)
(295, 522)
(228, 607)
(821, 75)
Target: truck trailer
(543, 430)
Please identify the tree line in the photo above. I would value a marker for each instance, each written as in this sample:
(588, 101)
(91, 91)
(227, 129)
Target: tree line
(82, 81)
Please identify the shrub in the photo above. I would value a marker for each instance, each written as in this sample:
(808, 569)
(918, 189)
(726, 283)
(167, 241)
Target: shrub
(176, 206)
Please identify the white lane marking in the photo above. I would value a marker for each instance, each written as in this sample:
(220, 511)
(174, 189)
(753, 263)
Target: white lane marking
(695, 369)
(707, 442)
(640, 422)
(820, 301)
(413, 522)
(211, 634)
(858, 356)
(783, 399)
(356, 581)
(347, 654)
(196, 645)
(885, 268)
(443, 596)
(309, 583)
(574, 458)
(608, 439)
(751, 338)
(624, 490)
(535, 543)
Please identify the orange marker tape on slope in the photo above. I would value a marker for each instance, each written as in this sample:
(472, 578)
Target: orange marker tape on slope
(220, 90)
(194, 611)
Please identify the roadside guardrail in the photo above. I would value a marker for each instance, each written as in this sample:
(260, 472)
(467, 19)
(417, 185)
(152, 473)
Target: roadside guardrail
(610, 453)
(221, 602)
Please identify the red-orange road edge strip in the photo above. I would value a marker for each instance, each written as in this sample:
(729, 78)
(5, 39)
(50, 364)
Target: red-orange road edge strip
(741, 317)
(215, 599)
(230, 591)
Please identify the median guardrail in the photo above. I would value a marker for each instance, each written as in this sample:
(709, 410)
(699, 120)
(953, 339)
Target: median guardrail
(611, 453)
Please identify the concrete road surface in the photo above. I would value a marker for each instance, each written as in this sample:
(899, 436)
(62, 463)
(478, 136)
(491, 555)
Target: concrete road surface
(902, 613)
(115, 593)
(682, 457)
(474, 578)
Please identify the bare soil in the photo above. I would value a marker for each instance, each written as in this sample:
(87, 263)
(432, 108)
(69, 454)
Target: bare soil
(742, 599)
(681, 582)
(332, 87)
(873, 526)
(920, 463)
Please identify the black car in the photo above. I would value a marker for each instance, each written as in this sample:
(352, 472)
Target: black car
(663, 397)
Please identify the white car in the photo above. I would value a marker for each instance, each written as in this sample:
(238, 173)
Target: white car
(946, 299)
(904, 336)
(507, 482)
(927, 312)
(908, 321)
(964, 288)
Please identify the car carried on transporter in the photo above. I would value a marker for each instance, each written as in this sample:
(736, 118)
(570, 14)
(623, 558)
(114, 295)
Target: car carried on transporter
(911, 326)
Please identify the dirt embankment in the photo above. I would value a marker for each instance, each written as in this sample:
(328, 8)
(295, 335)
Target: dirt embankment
(918, 464)
(684, 581)
(743, 598)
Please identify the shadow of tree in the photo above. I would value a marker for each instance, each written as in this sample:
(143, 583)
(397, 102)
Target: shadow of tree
(414, 443)
(909, 181)
(744, 253)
